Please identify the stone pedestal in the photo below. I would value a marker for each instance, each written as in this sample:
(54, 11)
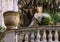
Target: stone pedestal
(10, 36)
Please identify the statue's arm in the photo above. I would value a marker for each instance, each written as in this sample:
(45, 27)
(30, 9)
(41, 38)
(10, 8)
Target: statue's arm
(33, 23)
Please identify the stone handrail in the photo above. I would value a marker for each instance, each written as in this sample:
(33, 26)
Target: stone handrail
(39, 28)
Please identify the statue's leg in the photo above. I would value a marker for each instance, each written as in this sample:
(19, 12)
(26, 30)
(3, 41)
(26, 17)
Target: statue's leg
(33, 23)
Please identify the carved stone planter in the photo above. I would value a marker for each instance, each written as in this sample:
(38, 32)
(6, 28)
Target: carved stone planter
(11, 18)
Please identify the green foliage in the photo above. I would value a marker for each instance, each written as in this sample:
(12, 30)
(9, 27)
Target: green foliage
(58, 17)
(2, 29)
(46, 21)
(55, 17)
(46, 11)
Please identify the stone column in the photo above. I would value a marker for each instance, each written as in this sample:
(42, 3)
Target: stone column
(1, 15)
(10, 5)
(15, 5)
(4, 6)
(0, 12)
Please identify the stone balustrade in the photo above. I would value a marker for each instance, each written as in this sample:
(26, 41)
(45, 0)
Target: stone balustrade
(33, 34)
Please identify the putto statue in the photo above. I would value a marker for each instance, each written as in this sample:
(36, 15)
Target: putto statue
(41, 18)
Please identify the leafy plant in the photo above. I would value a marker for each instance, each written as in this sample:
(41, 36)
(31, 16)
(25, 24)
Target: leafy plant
(58, 17)
(55, 17)
(47, 21)
(2, 29)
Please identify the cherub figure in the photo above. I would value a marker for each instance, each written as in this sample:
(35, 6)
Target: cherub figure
(40, 18)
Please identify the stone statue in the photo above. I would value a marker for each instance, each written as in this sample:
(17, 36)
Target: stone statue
(38, 18)
(36, 21)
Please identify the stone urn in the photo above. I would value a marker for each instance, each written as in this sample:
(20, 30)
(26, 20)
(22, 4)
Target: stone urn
(11, 19)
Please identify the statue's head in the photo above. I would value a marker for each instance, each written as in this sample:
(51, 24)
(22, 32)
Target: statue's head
(39, 9)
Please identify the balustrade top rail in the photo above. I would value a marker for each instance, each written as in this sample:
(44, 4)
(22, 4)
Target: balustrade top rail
(45, 27)
(39, 28)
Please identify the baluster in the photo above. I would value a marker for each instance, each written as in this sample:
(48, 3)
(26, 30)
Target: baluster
(21, 37)
(44, 36)
(50, 36)
(56, 36)
(32, 37)
(26, 37)
(38, 36)
(16, 38)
